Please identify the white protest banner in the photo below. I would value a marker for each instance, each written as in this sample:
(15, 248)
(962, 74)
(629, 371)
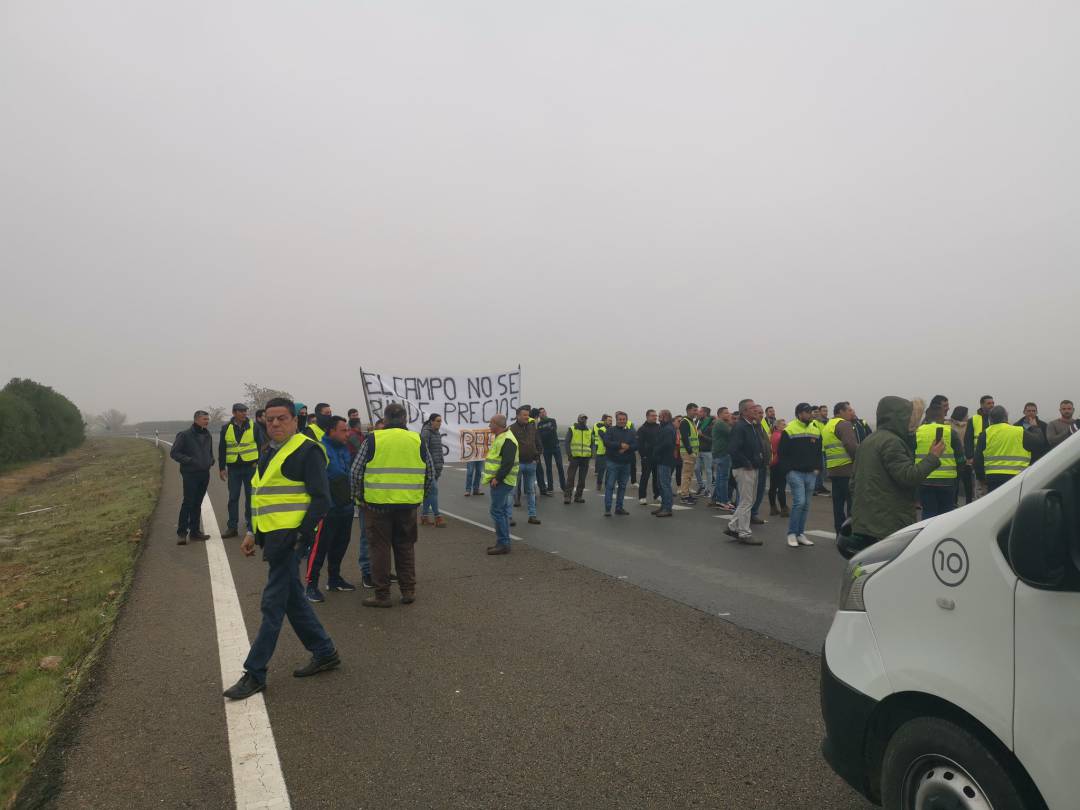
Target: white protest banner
(465, 402)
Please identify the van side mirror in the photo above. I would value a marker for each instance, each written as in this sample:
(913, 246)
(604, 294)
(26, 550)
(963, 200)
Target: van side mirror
(1039, 541)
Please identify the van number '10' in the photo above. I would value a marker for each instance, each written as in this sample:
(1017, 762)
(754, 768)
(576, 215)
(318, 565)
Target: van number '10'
(950, 562)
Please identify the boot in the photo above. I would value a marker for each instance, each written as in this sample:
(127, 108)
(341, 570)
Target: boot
(785, 512)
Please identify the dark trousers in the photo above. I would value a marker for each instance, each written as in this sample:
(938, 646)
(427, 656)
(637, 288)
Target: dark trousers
(331, 543)
(995, 481)
(579, 470)
(195, 484)
(937, 500)
(633, 470)
(554, 454)
(601, 468)
(966, 480)
(777, 487)
(240, 475)
(841, 500)
(393, 530)
(648, 470)
(284, 596)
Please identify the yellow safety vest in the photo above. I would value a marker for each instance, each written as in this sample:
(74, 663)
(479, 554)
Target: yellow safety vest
(924, 438)
(977, 427)
(835, 453)
(395, 475)
(797, 430)
(580, 442)
(1005, 453)
(494, 459)
(243, 450)
(278, 502)
(316, 433)
(599, 429)
(765, 428)
(695, 436)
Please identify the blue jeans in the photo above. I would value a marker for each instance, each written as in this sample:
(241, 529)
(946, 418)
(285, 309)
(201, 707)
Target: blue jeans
(721, 472)
(284, 596)
(802, 490)
(240, 475)
(474, 470)
(527, 479)
(703, 470)
(365, 558)
(500, 509)
(618, 476)
(759, 496)
(663, 475)
(431, 500)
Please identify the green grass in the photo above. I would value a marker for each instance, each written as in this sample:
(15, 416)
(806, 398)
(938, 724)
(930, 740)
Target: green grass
(63, 574)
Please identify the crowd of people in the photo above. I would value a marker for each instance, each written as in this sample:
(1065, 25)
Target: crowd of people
(303, 476)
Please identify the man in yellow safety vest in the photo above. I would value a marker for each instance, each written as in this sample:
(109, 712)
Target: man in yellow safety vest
(580, 439)
(1003, 450)
(839, 442)
(237, 453)
(937, 493)
(501, 473)
(290, 495)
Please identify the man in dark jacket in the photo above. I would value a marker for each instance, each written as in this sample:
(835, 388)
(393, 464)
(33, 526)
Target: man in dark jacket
(664, 461)
(621, 444)
(646, 442)
(193, 449)
(548, 429)
(283, 595)
(800, 461)
(332, 539)
(744, 447)
(236, 464)
(887, 479)
(529, 452)
(1031, 421)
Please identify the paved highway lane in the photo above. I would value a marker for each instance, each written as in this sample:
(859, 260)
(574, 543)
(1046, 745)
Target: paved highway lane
(788, 594)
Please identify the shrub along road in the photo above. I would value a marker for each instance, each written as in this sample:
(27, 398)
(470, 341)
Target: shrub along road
(519, 681)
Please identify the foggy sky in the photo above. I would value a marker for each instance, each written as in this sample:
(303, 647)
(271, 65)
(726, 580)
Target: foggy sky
(640, 203)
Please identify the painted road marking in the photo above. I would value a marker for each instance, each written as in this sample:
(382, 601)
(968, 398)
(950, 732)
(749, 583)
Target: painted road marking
(258, 783)
(257, 778)
(823, 533)
(478, 525)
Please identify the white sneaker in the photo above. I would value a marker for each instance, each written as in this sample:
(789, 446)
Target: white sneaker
(793, 541)
(643, 501)
(803, 540)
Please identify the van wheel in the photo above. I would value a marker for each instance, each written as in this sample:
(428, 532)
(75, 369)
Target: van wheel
(931, 763)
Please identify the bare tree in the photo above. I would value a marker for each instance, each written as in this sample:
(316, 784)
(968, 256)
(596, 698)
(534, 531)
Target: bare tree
(218, 414)
(257, 395)
(110, 421)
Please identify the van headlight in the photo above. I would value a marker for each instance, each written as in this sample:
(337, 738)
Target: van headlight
(867, 563)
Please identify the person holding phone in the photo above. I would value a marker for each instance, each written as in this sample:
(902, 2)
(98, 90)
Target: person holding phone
(937, 494)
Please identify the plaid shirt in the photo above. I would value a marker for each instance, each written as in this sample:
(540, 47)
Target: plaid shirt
(359, 467)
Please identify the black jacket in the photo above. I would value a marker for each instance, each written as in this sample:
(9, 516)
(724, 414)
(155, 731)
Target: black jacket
(221, 444)
(744, 446)
(193, 449)
(800, 455)
(646, 439)
(548, 429)
(307, 464)
(613, 438)
(664, 447)
(1040, 426)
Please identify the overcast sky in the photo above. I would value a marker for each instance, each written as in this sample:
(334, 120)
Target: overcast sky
(640, 203)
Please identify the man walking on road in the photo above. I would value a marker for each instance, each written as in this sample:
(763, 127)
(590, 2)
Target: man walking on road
(579, 441)
(548, 429)
(389, 478)
(529, 453)
(744, 447)
(664, 461)
(501, 473)
(800, 455)
(646, 442)
(332, 540)
(238, 452)
(621, 446)
(689, 447)
(290, 496)
(193, 450)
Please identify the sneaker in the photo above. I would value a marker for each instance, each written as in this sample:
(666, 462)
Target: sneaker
(785, 512)
(661, 513)
(198, 536)
(535, 521)
(621, 512)
(822, 491)
(643, 501)
(376, 602)
(773, 511)
(579, 500)
(244, 688)
(467, 494)
(513, 523)
(566, 499)
(181, 540)
(313, 594)
(477, 492)
(340, 585)
(440, 522)
(792, 541)
(230, 532)
(804, 540)
(607, 513)
(496, 550)
(687, 501)
(393, 577)
(546, 493)
(425, 520)
(407, 598)
(317, 665)
(749, 540)
(367, 581)
(730, 532)
(758, 521)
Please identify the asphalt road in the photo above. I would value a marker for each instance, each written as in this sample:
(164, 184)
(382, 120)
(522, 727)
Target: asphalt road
(520, 681)
(788, 594)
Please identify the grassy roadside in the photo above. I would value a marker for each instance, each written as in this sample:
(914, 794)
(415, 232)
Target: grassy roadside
(63, 574)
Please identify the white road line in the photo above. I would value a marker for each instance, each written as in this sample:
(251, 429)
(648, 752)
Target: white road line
(258, 782)
(478, 525)
(823, 533)
(257, 778)
(724, 517)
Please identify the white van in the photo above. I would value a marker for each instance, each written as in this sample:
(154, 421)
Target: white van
(951, 673)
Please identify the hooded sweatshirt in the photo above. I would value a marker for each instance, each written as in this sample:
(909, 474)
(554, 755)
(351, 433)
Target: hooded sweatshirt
(887, 478)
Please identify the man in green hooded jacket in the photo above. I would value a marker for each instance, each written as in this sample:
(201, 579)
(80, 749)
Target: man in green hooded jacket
(887, 478)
